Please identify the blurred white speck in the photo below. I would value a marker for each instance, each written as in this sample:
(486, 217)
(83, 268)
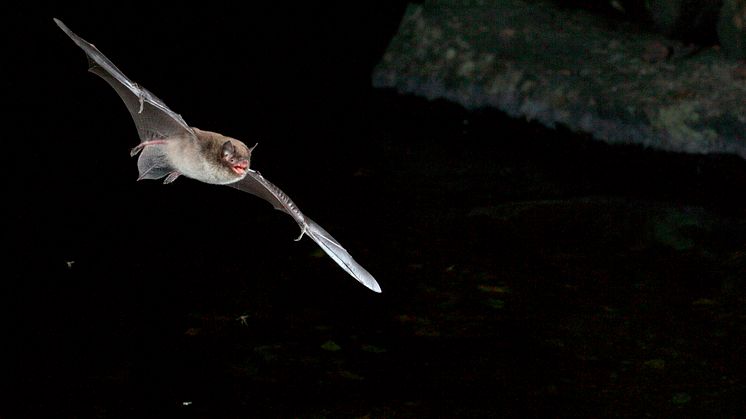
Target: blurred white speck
(242, 319)
(69, 264)
(186, 403)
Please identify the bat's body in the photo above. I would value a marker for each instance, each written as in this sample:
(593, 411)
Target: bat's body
(170, 148)
(191, 156)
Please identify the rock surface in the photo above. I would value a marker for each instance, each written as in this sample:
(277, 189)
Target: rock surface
(533, 60)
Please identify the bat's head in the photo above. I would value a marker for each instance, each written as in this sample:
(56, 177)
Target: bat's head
(236, 156)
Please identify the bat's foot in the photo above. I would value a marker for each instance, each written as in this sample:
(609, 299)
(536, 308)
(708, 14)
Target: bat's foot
(171, 177)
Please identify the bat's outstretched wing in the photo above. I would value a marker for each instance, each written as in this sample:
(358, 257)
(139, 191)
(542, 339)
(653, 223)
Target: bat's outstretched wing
(152, 117)
(254, 183)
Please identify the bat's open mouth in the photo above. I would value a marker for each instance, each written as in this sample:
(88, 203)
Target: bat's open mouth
(240, 167)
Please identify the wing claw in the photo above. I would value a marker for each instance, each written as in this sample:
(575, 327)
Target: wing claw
(140, 97)
(302, 232)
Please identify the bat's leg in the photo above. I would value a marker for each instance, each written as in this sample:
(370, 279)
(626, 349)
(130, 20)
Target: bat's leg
(144, 144)
(171, 177)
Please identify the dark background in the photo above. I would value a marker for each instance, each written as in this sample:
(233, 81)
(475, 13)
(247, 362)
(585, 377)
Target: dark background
(524, 271)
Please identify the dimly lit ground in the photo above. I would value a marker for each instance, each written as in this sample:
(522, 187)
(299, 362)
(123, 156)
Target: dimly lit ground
(525, 271)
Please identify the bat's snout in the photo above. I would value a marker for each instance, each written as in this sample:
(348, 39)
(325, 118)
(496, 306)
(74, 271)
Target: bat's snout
(241, 167)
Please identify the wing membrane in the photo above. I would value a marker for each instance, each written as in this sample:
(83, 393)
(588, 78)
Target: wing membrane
(255, 184)
(152, 117)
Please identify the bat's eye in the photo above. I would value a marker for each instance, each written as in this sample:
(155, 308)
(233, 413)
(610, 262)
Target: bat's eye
(228, 149)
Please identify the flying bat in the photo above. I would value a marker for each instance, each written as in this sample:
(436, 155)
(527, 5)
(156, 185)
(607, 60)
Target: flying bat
(170, 148)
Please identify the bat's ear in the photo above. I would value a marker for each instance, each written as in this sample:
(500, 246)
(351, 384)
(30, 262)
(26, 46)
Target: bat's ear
(228, 149)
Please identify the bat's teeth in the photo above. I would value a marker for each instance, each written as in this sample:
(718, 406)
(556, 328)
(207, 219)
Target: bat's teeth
(241, 167)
